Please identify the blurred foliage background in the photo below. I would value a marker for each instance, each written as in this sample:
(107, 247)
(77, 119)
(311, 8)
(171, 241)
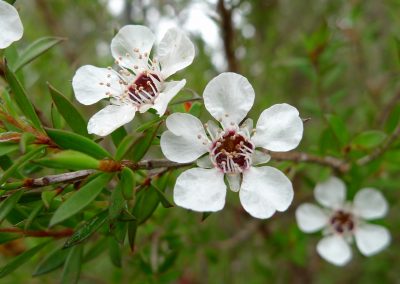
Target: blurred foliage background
(336, 61)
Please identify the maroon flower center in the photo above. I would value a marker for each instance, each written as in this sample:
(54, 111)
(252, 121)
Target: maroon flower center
(232, 152)
(342, 222)
(143, 90)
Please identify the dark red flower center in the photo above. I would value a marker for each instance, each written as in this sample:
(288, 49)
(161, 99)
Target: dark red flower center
(232, 152)
(144, 89)
(342, 222)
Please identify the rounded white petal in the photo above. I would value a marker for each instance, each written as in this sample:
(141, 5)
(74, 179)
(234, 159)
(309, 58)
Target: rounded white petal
(334, 249)
(205, 162)
(175, 52)
(128, 39)
(331, 193)
(311, 218)
(370, 204)
(91, 83)
(11, 26)
(264, 190)
(228, 98)
(167, 94)
(260, 157)
(186, 140)
(279, 128)
(110, 118)
(200, 190)
(371, 239)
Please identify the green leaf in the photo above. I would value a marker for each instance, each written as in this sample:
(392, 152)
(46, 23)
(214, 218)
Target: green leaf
(47, 197)
(72, 141)
(97, 249)
(117, 202)
(19, 94)
(8, 237)
(20, 259)
(118, 135)
(72, 266)
(87, 229)
(35, 49)
(26, 139)
(339, 128)
(127, 183)
(8, 204)
(82, 198)
(71, 115)
(147, 125)
(33, 214)
(115, 252)
(53, 261)
(146, 203)
(7, 148)
(369, 139)
(164, 200)
(143, 144)
(20, 162)
(56, 119)
(132, 229)
(124, 147)
(69, 159)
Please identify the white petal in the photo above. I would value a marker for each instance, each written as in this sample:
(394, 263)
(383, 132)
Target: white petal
(370, 204)
(213, 129)
(234, 181)
(110, 118)
(186, 140)
(247, 127)
(331, 193)
(228, 98)
(200, 190)
(335, 250)
(260, 157)
(91, 84)
(205, 162)
(371, 239)
(310, 218)
(279, 128)
(175, 52)
(11, 26)
(127, 40)
(167, 94)
(264, 190)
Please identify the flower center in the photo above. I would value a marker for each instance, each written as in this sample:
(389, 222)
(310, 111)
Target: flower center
(144, 89)
(342, 222)
(232, 152)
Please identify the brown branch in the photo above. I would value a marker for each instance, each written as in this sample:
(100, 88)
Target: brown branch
(228, 35)
(335, 163)
(39, 234)
(380, 150)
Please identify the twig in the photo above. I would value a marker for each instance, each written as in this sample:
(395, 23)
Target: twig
(380, 150)
(228, 35)
(39, 234)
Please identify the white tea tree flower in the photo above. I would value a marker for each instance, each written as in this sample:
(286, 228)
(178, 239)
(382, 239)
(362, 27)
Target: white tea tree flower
(343, 221)
(139, 81)
(11, 28)
(231, 150)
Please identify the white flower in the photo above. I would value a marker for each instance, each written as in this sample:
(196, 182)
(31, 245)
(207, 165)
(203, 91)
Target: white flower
(232, 151)
(139, 84)
(341, 221)
(11, 26)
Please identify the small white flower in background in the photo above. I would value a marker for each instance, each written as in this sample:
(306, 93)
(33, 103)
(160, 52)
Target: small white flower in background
(232, 151)
(11, 28)
(139, 83)
(342, 221)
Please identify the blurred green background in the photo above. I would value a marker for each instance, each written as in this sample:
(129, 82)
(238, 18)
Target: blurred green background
(328, 58)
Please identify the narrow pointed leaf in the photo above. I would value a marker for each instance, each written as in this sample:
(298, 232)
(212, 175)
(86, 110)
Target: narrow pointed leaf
(143, 144)
(35, 49)
(20, 162)
(124, 147)
(8, 204)
(53, 261)
(69, 159)
(115, 252)
(87, 229)
(118, 135)
(20, 97)
(127, 183)
(164, 200)
(146, 203)
(72, 141)
(68, 111)
(80, 199)
(72, 266)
